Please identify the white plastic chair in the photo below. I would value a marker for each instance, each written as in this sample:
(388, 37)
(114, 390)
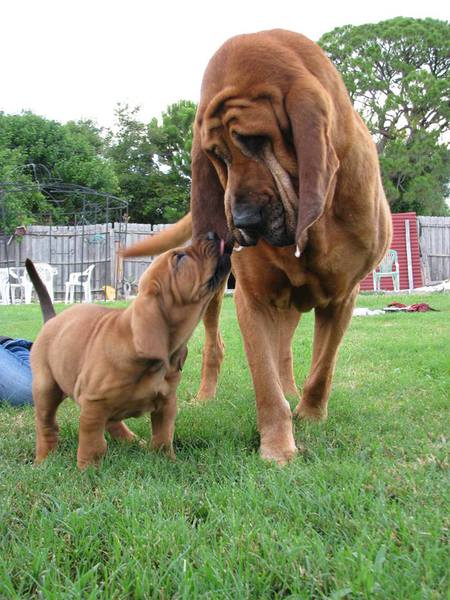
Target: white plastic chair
(46, 272)
(4, 286)
(83, 279)
(17, 275)
(388, 267)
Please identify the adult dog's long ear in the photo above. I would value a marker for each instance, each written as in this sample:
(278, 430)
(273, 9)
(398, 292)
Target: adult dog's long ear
(309, 112)
(149, 329)
(207, 194)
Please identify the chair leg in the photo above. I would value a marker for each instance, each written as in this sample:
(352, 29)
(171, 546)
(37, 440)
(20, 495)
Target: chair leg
(87, 292)
(5, 294)
(28, 290)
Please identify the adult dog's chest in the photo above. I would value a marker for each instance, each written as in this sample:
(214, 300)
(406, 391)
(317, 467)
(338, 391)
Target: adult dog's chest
(277, 276)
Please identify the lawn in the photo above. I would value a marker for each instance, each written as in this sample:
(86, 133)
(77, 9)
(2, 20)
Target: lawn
(359, 514)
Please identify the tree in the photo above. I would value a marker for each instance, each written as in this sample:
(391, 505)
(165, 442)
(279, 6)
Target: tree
(72, 153)
(173, 140)
(153, 161)
(397, 74)
(18, 208)
(132, 156)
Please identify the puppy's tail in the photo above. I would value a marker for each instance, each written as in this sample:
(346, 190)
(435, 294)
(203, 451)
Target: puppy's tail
(44, 298)
(173, 236)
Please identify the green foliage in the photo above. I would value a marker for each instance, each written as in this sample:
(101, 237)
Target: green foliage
(18, 208)
(72, 153)
(153, 162)
(416, 174)
(397, 74)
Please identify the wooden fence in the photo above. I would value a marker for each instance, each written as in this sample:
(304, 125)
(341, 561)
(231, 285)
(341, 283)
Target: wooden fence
(70, 249)
(434, 240)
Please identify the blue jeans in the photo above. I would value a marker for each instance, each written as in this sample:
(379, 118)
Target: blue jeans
(15, 372)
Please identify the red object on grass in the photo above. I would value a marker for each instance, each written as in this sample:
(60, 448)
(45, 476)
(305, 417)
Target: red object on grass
(421, 307)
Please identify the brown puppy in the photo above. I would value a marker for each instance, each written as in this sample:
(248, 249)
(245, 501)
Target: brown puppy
(119, 363)
(283, 163)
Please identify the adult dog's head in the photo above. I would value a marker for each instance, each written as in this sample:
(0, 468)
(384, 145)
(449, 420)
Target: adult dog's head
(173, 294)
(263, 161)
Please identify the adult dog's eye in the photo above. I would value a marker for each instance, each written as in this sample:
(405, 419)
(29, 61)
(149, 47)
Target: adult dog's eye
(220, 155)
(253, 144)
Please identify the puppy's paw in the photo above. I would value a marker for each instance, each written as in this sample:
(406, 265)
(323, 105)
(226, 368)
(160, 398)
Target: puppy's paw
(166, 449)
(119, 431)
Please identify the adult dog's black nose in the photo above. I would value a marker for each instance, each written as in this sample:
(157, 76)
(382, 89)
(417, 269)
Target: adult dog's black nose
(212, 236)
(246, 215)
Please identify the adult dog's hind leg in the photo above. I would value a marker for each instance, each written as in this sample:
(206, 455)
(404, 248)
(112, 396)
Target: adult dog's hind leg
(47, 396)
(330, 325)
(213, 349)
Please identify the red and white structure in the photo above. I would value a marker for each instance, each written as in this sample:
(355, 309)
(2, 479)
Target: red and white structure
(405, 242)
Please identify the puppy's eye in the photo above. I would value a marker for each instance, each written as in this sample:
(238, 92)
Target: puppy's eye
(252, 144)
(179, 257)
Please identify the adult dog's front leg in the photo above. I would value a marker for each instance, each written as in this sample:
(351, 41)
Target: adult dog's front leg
(213, 349)
(330, 326)
(259, 323)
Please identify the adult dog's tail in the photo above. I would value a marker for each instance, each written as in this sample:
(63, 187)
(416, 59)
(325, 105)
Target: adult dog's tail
(173, 236)
(44, 298)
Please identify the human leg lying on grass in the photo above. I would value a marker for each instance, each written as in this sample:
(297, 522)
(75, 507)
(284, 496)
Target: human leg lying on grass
(15, 371)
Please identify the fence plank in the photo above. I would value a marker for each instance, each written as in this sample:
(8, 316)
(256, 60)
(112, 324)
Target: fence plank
(434, 236)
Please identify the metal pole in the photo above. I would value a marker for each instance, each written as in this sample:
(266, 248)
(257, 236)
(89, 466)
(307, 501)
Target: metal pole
(408, 256)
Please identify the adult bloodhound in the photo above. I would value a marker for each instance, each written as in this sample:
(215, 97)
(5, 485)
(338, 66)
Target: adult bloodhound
(283, 163)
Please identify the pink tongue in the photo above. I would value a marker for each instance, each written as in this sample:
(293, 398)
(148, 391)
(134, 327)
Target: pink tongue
(222, 247)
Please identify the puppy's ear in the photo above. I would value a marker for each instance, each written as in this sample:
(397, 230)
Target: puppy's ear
(207, 194)
(149, 330)
(309, 112)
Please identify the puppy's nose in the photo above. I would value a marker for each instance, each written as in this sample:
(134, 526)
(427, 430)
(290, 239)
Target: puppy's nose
(246, 215)
(211, 236)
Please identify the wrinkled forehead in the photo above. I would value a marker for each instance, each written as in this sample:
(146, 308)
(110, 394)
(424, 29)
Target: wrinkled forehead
(232, 111)
(161, 264)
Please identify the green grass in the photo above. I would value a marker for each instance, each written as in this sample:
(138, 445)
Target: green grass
(360, 514)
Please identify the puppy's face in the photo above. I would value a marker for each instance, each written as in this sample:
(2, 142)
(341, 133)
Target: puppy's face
(188, 275)
(174, 293)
